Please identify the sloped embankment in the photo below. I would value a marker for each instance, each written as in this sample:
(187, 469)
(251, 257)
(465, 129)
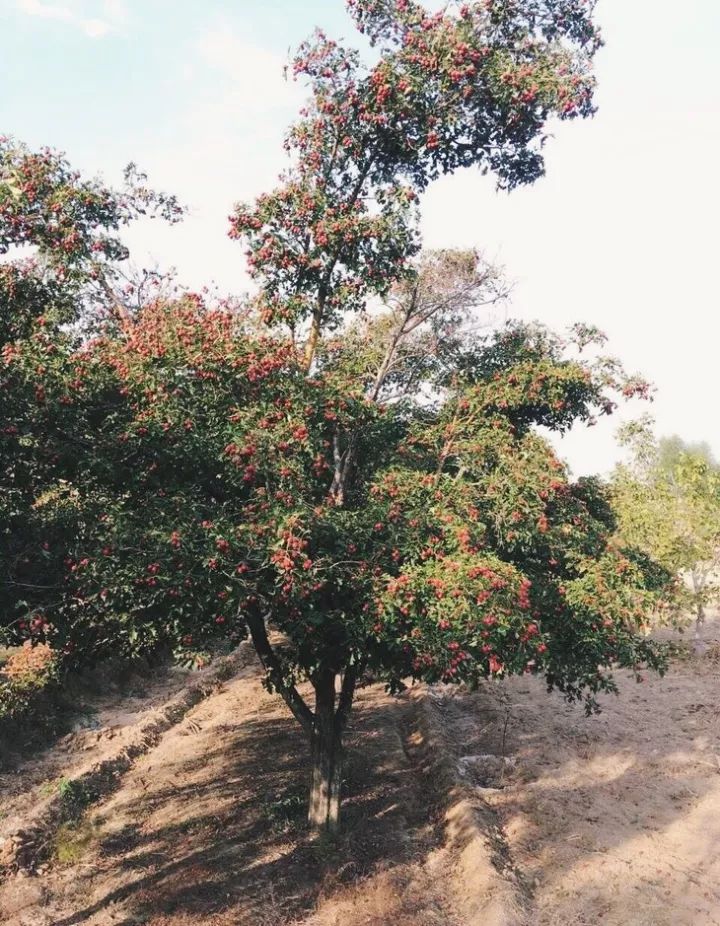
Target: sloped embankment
(88, 764)
(197, 818)
(501, 808)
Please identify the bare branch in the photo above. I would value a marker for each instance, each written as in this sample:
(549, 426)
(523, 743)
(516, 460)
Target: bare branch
(347, 692)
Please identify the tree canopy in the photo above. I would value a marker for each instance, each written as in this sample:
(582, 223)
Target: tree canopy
(349, 469)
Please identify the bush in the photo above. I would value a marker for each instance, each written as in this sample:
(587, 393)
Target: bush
(28, 672)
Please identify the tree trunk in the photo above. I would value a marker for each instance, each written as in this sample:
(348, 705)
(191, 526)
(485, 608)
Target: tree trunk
(327, 758)
(699, 622)
(324, 727)
(698, 581)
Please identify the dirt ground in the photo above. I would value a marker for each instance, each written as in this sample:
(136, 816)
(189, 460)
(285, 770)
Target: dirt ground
(613, 819)
(106, 714)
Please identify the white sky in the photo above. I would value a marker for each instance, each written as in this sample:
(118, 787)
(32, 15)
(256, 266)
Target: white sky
(622, 232)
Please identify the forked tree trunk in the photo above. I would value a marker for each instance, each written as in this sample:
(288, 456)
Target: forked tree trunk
(327, 758)
(324, 727)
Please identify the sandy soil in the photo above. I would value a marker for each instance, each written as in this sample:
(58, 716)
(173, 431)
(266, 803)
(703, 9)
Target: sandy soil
(611, 820)
(616, 819)
(207, 828)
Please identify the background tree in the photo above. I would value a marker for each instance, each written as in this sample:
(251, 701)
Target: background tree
(668, 503)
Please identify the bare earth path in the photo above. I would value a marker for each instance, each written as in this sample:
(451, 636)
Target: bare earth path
(604, 820)
(612, 819)
(622, 825)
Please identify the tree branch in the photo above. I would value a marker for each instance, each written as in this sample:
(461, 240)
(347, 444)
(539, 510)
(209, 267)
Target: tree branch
(345, 701)
(319, 312)
(273, 668)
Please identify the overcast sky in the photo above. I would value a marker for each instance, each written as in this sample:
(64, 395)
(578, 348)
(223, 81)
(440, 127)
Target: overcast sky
(622, 232)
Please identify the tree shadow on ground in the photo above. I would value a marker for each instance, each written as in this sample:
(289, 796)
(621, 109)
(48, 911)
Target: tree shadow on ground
(221, 839)
(229, 843)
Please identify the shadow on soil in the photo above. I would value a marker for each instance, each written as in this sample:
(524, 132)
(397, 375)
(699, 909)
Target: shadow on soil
(587, 789)
(228, 844)
(250, 859)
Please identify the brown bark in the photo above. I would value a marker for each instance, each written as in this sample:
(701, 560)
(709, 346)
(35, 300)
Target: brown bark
(275, 675)
(324, 726)
(327, 750)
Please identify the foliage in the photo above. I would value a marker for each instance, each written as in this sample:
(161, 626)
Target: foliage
(62, 232)
(31, 666)
(469, 86)
(62, 249)
(202, 499)
(668, 504)
(27, 672)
